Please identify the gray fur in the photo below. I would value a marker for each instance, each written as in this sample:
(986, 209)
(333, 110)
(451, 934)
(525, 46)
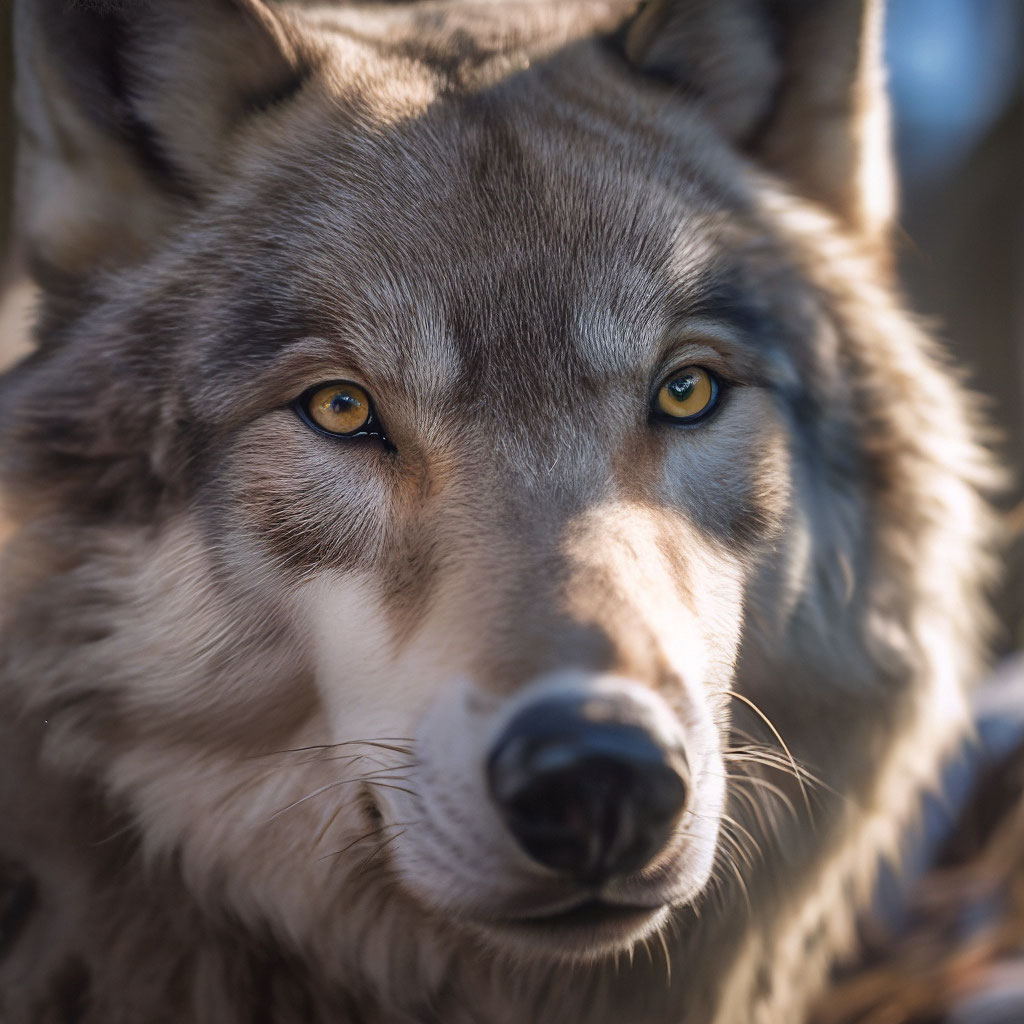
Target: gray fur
(503, 219)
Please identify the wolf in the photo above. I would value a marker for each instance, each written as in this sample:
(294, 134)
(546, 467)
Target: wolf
(483, 539)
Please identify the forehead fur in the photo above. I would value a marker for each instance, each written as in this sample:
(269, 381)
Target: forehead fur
(460, 202)
(491, 227)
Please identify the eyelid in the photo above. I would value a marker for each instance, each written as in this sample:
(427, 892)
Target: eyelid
(703, 341)
(304, 363)
(693, 350)
(693, 355)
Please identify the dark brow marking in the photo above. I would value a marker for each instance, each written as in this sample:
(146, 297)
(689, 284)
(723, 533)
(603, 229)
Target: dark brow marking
(19, 896)
(277, 94)
(70, 988)
(725, 299)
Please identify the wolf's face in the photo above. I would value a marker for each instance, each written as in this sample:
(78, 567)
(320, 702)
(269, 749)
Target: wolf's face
(519, 525)
(397, 515)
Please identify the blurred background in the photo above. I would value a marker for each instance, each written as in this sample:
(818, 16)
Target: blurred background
(953, 951)
(955, 73)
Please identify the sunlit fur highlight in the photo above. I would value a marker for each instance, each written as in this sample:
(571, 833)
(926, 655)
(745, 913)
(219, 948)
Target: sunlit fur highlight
(249, 674)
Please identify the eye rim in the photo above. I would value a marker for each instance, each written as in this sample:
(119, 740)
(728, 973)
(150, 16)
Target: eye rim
(371, 427)
(659, 415)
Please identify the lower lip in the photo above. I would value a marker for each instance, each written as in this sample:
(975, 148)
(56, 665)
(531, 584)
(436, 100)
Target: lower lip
(593, 917)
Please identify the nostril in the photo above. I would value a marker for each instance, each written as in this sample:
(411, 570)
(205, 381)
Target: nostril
(590, 799)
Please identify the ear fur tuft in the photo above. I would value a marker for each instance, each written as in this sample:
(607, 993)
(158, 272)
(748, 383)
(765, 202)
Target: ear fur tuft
(124, 111)
(799, 84)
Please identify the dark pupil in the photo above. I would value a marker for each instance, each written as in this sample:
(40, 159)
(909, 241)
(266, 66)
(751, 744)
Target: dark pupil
(343, 402)
(682, 387)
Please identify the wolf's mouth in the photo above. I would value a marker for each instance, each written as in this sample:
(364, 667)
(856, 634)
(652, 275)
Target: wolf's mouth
(586, 930)
(593, 912)
(594, 916)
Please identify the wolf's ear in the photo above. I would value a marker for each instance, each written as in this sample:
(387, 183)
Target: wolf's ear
(798, 83)
(127, 109)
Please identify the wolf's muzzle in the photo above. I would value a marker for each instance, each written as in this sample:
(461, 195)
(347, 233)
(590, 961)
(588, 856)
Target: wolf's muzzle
(583, 791)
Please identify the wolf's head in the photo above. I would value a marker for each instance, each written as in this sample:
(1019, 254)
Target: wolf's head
(446, 417)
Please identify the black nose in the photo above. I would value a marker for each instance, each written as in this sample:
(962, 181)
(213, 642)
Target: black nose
(585, 794)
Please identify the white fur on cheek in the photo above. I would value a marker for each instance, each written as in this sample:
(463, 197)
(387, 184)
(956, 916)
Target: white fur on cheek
(281, 836)
(361, 688)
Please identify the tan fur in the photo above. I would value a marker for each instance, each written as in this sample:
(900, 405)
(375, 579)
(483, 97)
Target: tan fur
(249, 674)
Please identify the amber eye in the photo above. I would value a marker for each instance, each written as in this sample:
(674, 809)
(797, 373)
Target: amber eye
(687, 396)
(337, 408)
